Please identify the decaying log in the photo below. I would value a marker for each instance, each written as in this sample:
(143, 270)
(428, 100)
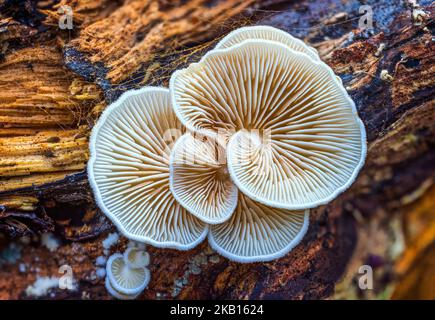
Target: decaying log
(48, 110)
(85, 12)
(157, 37)
(42, 105)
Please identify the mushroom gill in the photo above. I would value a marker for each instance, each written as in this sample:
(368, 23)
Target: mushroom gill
(123, 279)
(295, 139)
(256, 232)
(266, 33)
(136, 258)
(129, 170)
(199, 178)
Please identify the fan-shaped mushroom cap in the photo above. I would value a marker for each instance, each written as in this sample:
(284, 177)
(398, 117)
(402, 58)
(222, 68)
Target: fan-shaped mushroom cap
(136, 258)
(199, 179)
(306, 142)
(256, 232)
(118, 295)
(266, 33)
(124, 279)
(129, 170)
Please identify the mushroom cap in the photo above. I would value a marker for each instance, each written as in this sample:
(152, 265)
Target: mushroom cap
(136, 258)
(118, 295)
(266, 33)
(124, 279)
(129, 170)
(298, 140)
(199, 179)
(256, 232)
(136, 244)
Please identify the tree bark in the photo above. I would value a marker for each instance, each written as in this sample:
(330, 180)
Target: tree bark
(54, 84)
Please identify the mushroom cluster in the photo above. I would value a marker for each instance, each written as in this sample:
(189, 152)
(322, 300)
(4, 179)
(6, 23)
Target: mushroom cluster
(127, 274)
(239, 148)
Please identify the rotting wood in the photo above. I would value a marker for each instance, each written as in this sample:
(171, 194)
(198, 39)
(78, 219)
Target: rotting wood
(398, 114)
(85, 12)
(42, 105)
(154, 35)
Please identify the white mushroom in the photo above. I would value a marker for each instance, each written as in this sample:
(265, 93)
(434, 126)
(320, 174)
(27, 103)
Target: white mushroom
(299, 141)
(129, 170)
(118, 295)
(136, 258)
(199, 179)
(266, 33)
(256, 232)
(124, 279)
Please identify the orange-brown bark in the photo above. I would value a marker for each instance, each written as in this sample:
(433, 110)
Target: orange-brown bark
(385, 219)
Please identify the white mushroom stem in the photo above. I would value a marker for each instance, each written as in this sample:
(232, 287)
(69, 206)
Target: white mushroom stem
(118, 295)
(136, 244)
(266, 33)
(136, 258)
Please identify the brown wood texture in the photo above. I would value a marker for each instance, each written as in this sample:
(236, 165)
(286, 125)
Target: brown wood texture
(54, 84)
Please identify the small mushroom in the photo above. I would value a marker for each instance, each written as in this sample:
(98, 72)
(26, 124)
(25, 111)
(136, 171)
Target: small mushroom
(118, 295)
(129, 170)
(126, 280)
(266, 33)
(419, 16)
(136, 258)
(386, 76)
(199, 179)
(298, 140)
(256, 232)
